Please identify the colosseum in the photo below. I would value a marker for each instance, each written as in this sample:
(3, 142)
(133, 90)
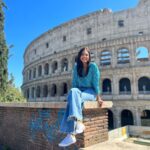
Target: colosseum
(120, 45)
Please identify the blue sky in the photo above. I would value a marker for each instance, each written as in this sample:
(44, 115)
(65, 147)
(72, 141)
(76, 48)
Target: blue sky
(27, 19)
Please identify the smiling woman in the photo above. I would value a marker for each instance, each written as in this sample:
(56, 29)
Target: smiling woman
(85, 87)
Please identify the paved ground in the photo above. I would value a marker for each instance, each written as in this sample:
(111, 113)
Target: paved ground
(118, 145)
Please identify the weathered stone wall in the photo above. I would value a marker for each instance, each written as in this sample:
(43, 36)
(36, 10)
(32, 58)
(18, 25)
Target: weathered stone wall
(145, 122)
(138, 131)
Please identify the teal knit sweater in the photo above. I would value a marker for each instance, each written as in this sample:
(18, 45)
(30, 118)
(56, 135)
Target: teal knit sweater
(91, 80)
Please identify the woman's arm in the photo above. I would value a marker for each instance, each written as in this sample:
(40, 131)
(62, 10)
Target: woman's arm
(100, 101)
(74, 77)
(96, 78)
(96, 83)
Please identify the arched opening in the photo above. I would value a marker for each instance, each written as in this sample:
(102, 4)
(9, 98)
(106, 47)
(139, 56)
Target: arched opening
(54, 67)
(30, 74)
(123, 56)
(124, 86)
(144, 85)
(74, 60)
(92, 54)
(54, 90)
(38, 92)
(46, 69)
(45, 91)
(106, 86)
(145, 118)
(126, 118)
(105, 58)
(28, 93)
(64, 89)
(142, 54)
(27, 74)
(64, 66)
(110, 120)
(39, 70)
(32, 93)
(34, 73)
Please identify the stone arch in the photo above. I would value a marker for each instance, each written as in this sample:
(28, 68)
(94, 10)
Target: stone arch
(53, 90)
(45, 91)
(142, 54)
(64, 89)
(64, 64)
(39, 70)
(46, 69)
(27, 74)
(145, 118)
(54, 66)
(124, 86)
(144, 85)
(74, 60)
(92, 54)
(34, 73)
(38, 92)
(105, 58)
(110, 120)
(33, 92)
(30, 74)
(123, 56)
(126, 117)
(106, 86)
(28, 93)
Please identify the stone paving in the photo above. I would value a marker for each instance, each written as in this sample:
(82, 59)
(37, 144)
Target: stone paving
(118, 145)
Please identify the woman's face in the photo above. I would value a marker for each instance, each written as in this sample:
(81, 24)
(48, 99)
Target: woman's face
(84, 57)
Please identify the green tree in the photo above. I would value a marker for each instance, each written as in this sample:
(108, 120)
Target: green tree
(3, 53)
(8, 91)
(12, 94)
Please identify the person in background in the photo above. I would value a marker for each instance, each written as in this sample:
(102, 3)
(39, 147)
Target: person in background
(85, 87)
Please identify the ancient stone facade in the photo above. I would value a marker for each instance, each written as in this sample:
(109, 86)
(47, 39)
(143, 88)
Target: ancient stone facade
(120, 45)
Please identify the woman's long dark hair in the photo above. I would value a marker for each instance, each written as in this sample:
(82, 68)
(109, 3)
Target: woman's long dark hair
(79, 62)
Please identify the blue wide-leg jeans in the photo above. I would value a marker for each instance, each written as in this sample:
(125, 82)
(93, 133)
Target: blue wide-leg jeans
(75, 99)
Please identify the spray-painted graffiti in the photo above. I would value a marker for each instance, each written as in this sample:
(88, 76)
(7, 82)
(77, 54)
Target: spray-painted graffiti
(46, 122)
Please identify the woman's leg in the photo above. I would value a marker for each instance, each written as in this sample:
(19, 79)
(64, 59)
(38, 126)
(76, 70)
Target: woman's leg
(68, 123)
(88, 95)
(73, 110)
(76, 99)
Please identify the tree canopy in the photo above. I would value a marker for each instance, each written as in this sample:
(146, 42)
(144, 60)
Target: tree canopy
(3, 52)
(8, 92)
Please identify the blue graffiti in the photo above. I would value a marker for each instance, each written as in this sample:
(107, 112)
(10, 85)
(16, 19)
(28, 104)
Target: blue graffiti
(43, 122)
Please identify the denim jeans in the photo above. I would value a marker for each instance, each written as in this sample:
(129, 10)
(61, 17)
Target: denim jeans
(75, 99)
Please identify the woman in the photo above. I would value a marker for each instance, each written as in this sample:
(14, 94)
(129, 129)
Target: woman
(85, 87)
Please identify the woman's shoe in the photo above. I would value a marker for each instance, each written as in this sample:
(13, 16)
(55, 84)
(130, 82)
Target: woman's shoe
(80, 127)
(68, 140)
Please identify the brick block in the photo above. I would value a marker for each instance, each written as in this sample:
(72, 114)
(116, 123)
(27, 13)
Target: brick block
(28, 128)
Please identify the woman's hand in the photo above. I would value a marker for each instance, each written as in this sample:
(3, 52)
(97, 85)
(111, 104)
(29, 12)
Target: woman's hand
(100, 101)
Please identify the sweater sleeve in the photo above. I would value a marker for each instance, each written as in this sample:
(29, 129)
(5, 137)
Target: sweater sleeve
(74, 77)
(96, 78)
